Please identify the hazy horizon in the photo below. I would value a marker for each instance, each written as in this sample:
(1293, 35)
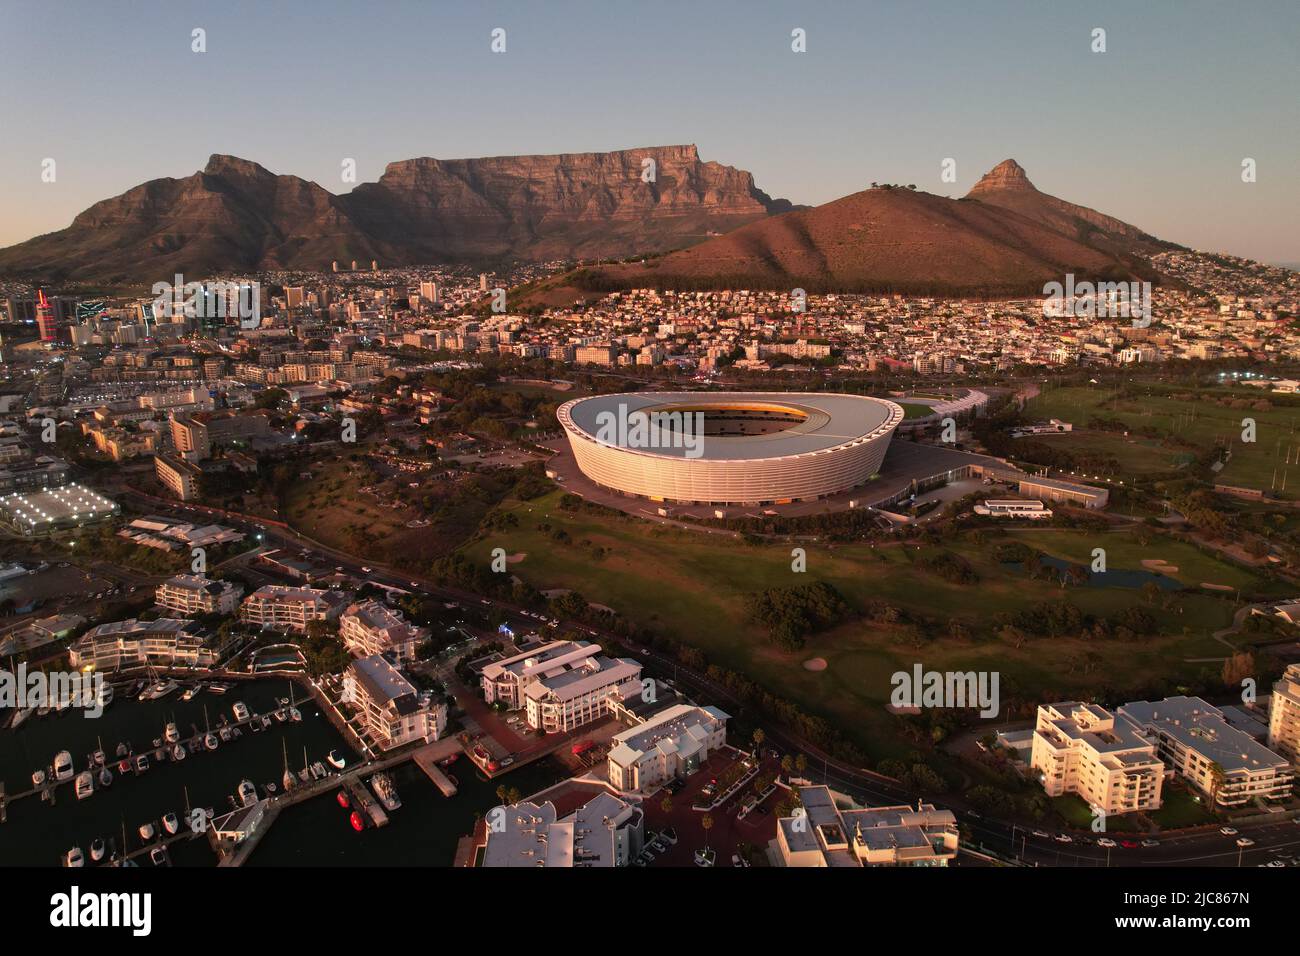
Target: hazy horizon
(1153, 131)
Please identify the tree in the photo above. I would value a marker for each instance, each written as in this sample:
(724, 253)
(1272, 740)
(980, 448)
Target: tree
(706, 821)
(758, 737)
(666, 804)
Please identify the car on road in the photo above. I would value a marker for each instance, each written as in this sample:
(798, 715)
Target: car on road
(1227, 831)
(1106, 842)
(1064, 838)
(367, 570)
(1041, 835)
(1129, 844)
(1245, 842)
(1150, 843)
(415, 584)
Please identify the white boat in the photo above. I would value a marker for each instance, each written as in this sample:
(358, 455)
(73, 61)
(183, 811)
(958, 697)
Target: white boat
(159, 690)
(240, 710)
(74, 857)
(318, 771)
(171, 734)
(178, 753)
(282, 714)
(226, 734)
(146, 831)
(141, 763)
(158, 855)
(97, 849)
(21, 714)
(170, 823)
(247, 793)
(266, 721)
(190, 692)
(336, 760)
(85, 785)
(63, 766)
(105, 777)
(218, 688)
(210, 741)
(38, 778)
(295, 714)
(382, 784)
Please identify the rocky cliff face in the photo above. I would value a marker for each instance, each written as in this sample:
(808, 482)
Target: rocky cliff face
(236, 215)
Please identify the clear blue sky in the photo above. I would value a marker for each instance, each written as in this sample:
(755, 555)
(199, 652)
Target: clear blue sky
(1153, 131)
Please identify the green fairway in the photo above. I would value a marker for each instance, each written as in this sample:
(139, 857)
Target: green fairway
(1201, 421)
(692, 586)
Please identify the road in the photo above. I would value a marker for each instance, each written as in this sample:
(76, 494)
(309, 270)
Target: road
(1204, 846)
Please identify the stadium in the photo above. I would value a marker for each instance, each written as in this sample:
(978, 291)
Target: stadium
(751, 448)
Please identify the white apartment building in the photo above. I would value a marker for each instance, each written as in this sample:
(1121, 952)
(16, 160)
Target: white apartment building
(1084, 749)
(580, 691)
(1284, 715)
(371, 627)
(133, 643)
(284, 608)
(604, 832)
(826, 835)
(194, 594)
(1223, 763)
(506, 680)
(670, 745)
(391, 709)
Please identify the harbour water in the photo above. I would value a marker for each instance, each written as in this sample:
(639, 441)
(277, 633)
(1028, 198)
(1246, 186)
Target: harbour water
(423, 832)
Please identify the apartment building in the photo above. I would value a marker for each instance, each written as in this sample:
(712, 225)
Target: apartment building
(1284, 715)
(604, 832)
(506, 680)
(179, 476)
(1086, 750)
(1197, 743)
(133, 643)
(824, 834)
(670, 745)
(282, 608)
(579, 692)
(370, 627)
(194, 594)
(391, 710)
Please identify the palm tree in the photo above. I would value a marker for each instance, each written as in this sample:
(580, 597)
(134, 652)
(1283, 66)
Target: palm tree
(666, 804)
(758, 737)
(706, 821)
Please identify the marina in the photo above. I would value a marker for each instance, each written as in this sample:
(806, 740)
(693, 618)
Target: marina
(244, 734)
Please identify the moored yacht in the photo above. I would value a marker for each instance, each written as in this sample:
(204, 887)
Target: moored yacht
(38, 778)
(74, 857)
(63, 766)
(85, 784)
(97, 849)
(105, 777)
(146, 831)
(170, 823)
(210, 740)
(247, 793)
(141, 763)
(240, 710)
(336, 760)
(171, 734)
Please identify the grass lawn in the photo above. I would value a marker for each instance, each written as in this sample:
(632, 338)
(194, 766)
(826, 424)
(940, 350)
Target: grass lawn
(1201, 422)
(916, 410)
(1178, 808)
(1137, 455)
(692, 586)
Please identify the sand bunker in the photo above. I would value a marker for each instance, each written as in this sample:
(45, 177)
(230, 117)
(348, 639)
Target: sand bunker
(815, 664)
(1160, 565)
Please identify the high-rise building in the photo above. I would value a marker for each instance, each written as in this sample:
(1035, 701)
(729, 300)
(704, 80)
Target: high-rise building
(46, 324)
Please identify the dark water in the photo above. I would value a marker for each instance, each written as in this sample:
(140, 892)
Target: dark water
(423, 832)
(1112, 577)
(38, 834)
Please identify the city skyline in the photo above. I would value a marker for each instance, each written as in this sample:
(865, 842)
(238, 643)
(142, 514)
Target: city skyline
(884, 95)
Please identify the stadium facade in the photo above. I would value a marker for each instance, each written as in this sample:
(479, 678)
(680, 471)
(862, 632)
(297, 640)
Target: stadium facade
(750, 448)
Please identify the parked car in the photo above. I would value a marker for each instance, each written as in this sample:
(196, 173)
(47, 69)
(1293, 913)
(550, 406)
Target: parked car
(1106, 842)
(1245, 842)
(1150, 843)
(1064, 838)
(1227, 831)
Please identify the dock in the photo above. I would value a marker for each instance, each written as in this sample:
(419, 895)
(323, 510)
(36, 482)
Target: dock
(427, 757)
(364, 800)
